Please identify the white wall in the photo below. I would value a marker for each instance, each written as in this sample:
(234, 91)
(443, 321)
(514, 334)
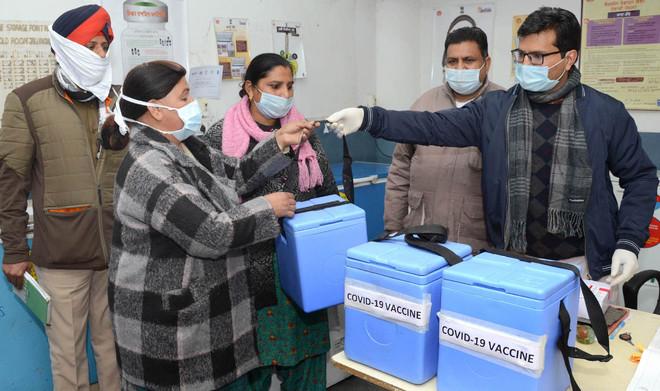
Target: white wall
(357, 51)
(328, 28)
(37, 10)
(363, 75)
(397, 53)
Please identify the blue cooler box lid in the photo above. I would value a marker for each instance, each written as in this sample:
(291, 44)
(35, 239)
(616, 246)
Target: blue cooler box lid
(317, 218)
(531, 280)
(395, 254)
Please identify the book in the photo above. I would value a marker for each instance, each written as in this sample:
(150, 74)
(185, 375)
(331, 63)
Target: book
(35, 298)
(614, 316)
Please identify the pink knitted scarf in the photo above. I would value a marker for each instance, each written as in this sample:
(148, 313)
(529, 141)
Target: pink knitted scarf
(239, 127)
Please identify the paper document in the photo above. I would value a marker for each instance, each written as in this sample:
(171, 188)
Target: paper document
(35, 298)
(205, 81)
(647, 376)
(601, 291)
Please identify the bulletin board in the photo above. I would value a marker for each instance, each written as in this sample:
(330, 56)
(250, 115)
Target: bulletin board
(620, 51)
(24, 53)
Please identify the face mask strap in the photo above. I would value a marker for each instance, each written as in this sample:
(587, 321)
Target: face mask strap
(143, 103)
(564, 71)
(557, 63)
(119, 116)
(483, 65)
(120, 120)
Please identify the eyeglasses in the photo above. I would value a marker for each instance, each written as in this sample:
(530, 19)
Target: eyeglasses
(535, 58)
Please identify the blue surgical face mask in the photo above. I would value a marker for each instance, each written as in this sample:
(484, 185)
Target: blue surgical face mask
(535, 77)
(273, 106)
(190, 114)
(463, 81)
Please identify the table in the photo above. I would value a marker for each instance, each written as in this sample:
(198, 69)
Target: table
(614, 375)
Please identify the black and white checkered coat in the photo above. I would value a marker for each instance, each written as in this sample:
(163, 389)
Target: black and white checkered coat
(181, 303)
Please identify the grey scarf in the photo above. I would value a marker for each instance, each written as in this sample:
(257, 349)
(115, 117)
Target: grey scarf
(570, 176)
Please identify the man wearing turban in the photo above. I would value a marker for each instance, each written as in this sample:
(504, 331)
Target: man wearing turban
(51, 150)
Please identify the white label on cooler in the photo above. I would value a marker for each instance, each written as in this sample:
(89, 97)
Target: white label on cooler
(388, 305)
(496, 342)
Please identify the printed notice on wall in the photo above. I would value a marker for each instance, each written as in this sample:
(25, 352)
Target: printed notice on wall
(621, 50)
(387, 305)
(24, 54)
(205, 81)
(288, 43)
(231, 38)
(501, 344)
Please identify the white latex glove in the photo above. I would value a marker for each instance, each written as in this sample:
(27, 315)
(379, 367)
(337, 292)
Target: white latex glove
(347, 121)
(624, 266)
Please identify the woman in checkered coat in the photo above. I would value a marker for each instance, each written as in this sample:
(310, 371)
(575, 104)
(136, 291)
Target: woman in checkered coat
(181, 302)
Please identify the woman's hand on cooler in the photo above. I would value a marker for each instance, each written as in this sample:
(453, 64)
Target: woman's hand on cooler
(294, 133)
(283, 204)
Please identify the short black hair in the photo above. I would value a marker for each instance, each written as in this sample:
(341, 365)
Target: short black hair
(563, 22)
(464, 34)
(259, 68)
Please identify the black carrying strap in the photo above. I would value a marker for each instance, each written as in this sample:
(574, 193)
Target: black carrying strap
(425, 237)
(593, 309)
(320, 206)
(310, 209)
(291, 182)
(347, 172)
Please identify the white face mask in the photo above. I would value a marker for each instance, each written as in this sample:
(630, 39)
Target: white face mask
(535, 77)
(464, 81)
(273, 106)
(87, 69)
(190, 114)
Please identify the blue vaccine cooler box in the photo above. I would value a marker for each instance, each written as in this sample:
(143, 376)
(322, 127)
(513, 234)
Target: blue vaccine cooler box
(392, 295)
(499, 325)
(311, 251)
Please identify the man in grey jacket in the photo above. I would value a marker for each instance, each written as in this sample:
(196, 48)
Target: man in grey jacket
(442, 185)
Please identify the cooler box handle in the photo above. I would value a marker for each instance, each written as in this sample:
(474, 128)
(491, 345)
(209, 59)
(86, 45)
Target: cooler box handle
(324, 205)
(425, 237)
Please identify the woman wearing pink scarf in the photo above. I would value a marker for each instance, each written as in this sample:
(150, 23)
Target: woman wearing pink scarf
(291, 341)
